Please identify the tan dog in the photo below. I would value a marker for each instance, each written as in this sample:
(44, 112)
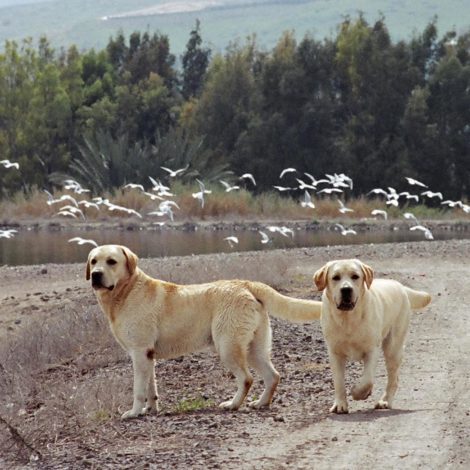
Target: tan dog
(153, 319)
(360, 315)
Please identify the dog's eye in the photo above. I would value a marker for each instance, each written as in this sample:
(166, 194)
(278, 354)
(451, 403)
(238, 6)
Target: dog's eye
(355, 277)
(336, 277)
(93, 261)
(111, 262)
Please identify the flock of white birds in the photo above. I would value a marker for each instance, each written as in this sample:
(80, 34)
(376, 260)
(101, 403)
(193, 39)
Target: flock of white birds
(330, 185)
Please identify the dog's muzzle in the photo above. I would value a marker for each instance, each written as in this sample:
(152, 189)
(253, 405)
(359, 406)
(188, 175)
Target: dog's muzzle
(347, 302)
(97, 281)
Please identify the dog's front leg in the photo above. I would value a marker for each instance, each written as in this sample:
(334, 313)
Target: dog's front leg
(143, 366)
(338, 366)
(363, 388)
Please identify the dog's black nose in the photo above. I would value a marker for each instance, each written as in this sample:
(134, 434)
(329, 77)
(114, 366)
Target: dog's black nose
(96, 278)
(346, 293)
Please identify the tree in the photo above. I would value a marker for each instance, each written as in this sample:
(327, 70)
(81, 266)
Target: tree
(195, 61)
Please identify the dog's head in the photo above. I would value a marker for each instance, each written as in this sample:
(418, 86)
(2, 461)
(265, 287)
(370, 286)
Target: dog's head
(344, 281)
(108, 265)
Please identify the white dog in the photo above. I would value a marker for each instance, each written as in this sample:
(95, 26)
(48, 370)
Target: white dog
(360, 315)
(153, 319)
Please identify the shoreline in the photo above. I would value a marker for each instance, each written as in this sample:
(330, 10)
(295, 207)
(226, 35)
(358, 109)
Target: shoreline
(363, 225)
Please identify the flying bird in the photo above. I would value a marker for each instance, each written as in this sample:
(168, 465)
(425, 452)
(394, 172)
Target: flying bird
(431, 194)
(413, 182)
(248, 176)
(264, 238)
(307, 202)
(64, 197)
(409, 196)
(282, 188)
(82, 241)
(345, 231)
(287, 170)
(8, 164)
(427, 233)
(381, 213)
(228, 187)
(304, 185)
(134, 186)
(8, 233)
(330, 190)
(410, 216)
(174, 173)
(200, 194)
(342, 208)
(232, 241)
(284, 231)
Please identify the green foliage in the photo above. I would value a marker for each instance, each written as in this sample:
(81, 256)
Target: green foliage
(358, 103)
(195, 61)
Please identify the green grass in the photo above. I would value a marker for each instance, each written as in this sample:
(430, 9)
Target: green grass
(189, 405)
(79, 23)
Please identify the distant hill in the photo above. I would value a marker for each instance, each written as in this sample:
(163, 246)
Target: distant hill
(90, 23)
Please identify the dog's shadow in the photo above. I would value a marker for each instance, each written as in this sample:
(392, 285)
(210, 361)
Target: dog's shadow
(369, 415)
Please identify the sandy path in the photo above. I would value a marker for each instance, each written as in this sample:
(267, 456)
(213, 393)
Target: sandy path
(430, 427)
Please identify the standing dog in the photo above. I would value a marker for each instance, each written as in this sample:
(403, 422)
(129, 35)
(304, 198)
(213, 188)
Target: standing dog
(153, 319)
(360, 315)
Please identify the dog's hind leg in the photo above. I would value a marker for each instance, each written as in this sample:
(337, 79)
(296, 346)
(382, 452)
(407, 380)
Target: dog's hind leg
(234, 357)
(259, 357)
(393, 347)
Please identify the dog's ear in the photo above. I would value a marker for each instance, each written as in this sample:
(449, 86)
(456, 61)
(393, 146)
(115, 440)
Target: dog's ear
(368, 274)
(321, 276)
(87, 274)
(131, 260)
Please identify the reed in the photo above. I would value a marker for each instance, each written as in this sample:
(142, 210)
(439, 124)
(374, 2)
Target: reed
(220, 205)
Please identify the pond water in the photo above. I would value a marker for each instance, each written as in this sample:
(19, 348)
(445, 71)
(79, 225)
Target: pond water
(44, 246)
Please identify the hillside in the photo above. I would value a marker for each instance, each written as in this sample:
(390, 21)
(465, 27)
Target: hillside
(89, 23)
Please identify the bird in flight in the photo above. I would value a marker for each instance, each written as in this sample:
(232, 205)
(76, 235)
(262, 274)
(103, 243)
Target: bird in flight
(8, 164)
(228, 187)
(380, 212)
(345, 231)
(413, 182)
(307, 202)
(8, 233)
(264, 238)
(232, 241)
(174, 173)
(82, 241)
(248, 176)
(287, 170)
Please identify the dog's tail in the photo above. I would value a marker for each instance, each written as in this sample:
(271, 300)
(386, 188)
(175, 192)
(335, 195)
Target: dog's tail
(418, 299)
(281, 306)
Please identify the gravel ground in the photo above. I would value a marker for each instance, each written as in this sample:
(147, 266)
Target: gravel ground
(65, 381)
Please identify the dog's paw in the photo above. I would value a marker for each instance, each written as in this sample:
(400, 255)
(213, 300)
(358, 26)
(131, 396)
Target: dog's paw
(383, 405)
(149, 410)
(257, 404)
(229, 405)
(132, 414)
(362, 391)
(339, 408)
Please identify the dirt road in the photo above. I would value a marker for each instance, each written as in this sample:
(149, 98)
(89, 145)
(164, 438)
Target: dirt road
(429, 427)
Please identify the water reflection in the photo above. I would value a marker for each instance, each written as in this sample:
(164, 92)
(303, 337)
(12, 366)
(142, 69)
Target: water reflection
(38, 247)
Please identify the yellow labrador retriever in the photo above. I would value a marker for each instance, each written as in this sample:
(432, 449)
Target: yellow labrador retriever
(360, 315)
(153, 319)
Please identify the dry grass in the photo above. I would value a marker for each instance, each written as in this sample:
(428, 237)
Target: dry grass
(218, 205)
